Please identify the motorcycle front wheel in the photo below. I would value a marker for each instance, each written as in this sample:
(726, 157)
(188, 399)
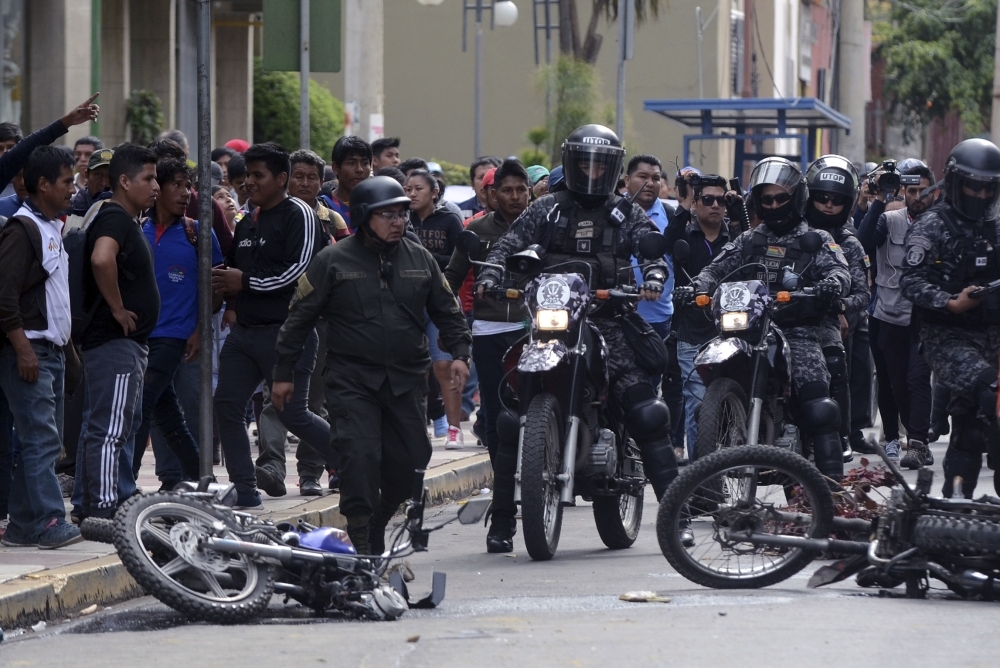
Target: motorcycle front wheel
(157, 540)
(541, 455)
(722, 417)
(753, 480)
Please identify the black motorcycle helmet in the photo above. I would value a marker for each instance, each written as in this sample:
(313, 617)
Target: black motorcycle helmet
(784, 173)
(371, 194)
(592, 158)
(835, 176)
(973, 165)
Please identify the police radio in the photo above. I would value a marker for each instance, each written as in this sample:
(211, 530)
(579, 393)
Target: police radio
(622, 210)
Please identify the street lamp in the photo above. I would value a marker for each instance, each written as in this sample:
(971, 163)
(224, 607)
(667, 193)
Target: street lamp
(503, 13)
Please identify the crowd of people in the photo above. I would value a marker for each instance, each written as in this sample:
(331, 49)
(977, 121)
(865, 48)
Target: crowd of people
(347, 316)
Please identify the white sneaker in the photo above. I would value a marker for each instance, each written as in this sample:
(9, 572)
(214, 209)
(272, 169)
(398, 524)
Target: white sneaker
(455, 440)
(892, 450)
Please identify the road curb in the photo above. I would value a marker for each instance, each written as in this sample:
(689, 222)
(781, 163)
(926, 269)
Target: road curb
(54, 594)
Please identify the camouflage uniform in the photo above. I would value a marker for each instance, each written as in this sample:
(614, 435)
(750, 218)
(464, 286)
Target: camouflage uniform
(961, 349)
(807, 362)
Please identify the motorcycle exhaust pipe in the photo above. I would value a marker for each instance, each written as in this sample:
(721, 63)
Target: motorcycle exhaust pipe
(283, 554)
(979, 582)
(812, 544)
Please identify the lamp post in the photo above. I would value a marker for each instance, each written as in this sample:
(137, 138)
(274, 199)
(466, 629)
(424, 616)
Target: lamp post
(502, 13)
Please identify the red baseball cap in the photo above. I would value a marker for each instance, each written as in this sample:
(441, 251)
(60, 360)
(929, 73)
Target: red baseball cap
(488, 177)
(238, 145)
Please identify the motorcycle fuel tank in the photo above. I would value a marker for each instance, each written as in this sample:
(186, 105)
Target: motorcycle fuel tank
(327, 539)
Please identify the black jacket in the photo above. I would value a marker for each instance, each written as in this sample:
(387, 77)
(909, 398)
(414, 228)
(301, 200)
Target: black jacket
(16, 158)
(22, 277)
(438, 233)
(273, 249)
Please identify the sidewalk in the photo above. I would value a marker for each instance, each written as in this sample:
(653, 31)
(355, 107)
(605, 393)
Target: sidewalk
(51, 584)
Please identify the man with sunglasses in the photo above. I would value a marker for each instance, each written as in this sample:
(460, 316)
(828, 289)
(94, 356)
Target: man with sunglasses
(372, 289)
(951, 250)
(778, 192)
(883, 235)
(833, 187)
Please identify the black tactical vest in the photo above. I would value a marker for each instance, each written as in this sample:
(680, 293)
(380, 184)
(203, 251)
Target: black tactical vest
(775, 257)
(573, 233)
(969, 257)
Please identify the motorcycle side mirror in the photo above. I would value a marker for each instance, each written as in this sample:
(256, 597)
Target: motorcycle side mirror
(473, 510)
(652, 246)
(790, 280)
(468, 241)
(682, 251)
(811, 242)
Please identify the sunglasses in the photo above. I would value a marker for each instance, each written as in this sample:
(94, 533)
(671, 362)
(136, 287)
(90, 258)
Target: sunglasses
(836, 200)
(710, 200)
(780, 198)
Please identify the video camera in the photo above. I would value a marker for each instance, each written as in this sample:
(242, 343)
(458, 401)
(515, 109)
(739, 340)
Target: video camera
(886, 178)
(693, 181)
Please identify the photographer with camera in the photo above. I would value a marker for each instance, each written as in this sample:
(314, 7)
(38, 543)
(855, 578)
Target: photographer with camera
(884, 237)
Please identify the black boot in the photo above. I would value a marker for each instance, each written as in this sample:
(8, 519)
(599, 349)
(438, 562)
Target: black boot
(376, 528)
(357, 531)
(828, 455)
(964, 458)
(660, 464)
(500, 537)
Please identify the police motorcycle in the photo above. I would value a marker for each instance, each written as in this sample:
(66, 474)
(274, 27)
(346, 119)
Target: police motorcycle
(191, 550)
(558, 404)
(746, 368)
(758, 537)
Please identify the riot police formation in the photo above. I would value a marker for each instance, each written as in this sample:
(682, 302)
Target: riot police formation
(833, 188)
(589, 222)
(779, 196)
(951, 253)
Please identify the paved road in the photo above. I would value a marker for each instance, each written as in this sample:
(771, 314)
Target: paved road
(510, 611)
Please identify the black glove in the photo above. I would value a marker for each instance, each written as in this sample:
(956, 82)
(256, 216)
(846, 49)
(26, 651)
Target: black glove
(652, 286)
(828, 288)
(684, 294)
(486, 281)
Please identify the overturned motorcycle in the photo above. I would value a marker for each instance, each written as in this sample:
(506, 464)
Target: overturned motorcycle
(193, 552)
(760, 514)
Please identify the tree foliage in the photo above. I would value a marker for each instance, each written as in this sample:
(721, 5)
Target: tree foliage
(276, 111)
(454, 174)
(576, 100)
(939, 59)
(144, 116)
(590, 47)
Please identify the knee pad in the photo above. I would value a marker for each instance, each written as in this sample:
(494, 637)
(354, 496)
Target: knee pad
(648, 420)
(813, 390)
(986, 392)
(836, 364)
(818, 416)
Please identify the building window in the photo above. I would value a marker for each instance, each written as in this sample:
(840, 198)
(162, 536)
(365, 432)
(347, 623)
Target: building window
(12, 88)
(737, 53)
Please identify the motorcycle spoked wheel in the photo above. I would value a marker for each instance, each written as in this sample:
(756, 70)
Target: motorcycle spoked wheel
(754, 479)
(541, 455)
(722, 417)
(156, 537)
(618, 519)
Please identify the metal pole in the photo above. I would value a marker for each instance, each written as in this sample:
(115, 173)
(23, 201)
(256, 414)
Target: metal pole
(206, 329)
(620, 98)
(701, 82)
(304, 69)
(479, 81)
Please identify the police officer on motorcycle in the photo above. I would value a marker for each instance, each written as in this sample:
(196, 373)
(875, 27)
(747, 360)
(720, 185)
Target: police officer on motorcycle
(589, 222)
(779, 195)
(950, 251)
(833, 188)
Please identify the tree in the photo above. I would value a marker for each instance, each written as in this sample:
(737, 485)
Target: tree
(939, 59)
(144, 116)
(576, 100)
(569, 25)
(276, 111)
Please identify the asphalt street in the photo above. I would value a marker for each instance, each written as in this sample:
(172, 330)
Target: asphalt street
(505, 610)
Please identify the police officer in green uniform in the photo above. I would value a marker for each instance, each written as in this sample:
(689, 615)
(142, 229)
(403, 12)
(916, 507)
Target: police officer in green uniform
(373, 289)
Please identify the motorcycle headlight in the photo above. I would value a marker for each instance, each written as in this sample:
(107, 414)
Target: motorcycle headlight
(734, 321)
(552, 320)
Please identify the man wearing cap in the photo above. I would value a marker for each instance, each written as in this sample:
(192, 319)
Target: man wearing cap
(372, 288)
(98, 190)
(539, 177)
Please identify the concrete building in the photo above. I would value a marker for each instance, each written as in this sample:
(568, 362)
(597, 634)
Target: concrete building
(56, 51)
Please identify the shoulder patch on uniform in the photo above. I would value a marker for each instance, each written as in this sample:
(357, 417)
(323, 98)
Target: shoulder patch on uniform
(919, 241)
(915, 255)
(414, 273)
(774, 251)
(349, 275)
(834, 248)
(303, 288)
(728, 248)
(868, 263)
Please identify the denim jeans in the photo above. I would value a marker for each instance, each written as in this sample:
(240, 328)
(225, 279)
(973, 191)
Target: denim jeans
(6, 455)
(247, 359)
(488, 351)
(37, 409)
(693, 390)
(160, 405)
(114, 373)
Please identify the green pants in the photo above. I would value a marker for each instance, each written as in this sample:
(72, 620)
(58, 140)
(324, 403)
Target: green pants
(381, 439)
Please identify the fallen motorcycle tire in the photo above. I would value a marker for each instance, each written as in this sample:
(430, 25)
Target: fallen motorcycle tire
(752, 480)
(969, 537)
(98, 530)
(157, 540)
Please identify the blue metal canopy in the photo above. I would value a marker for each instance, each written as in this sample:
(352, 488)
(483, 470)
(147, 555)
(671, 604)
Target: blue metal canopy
(765, 118)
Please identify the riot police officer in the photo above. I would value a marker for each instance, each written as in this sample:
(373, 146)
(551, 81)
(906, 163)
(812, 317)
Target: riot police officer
(779, 194)
(589, 222)
(833, 188)
(372, 289)
(950, 251)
